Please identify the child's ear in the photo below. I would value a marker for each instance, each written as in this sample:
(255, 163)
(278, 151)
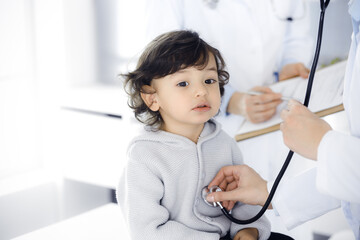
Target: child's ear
(148, 95)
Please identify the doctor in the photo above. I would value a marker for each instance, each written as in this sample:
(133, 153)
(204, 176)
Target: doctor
(337, 175)
(255, 38)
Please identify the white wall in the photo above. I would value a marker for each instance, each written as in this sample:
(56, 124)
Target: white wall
(100, 43)
(80, 41)
(19, 127)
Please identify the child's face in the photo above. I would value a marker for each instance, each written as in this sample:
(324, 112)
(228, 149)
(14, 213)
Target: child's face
(188, 97)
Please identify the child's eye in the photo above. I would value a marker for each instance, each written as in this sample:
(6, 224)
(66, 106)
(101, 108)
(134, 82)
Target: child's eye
(210, 81)
(182, 84)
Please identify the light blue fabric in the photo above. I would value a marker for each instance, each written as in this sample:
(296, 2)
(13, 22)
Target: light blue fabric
(354, 11)
(229, 91)
(352, 210)
(352, 214)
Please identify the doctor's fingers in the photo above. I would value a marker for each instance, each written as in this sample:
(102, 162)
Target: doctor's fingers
(304, 72)
(289, 121)
(262, 89)
(250, 196)
(228, 183)
(230, 187)
(230, 205)
(293, 121)
(265, 98)
(226, 175)
(293, 70)
(295, 108)
(256, 112)
(258, 117)
(261, 107)
(226, 203)
(223, 196)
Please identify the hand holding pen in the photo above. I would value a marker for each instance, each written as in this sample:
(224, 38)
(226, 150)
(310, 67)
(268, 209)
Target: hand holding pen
(261, 93)
(257, 106)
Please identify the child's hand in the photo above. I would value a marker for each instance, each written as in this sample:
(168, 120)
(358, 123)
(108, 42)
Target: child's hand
(247, 234)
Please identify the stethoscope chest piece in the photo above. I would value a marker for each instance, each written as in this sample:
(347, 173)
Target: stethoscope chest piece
(205, 191)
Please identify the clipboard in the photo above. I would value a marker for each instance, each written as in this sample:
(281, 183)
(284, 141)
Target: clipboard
(326, 98)
(322, 113)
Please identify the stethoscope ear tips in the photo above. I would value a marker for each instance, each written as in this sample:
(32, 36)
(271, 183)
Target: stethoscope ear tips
(206, 191)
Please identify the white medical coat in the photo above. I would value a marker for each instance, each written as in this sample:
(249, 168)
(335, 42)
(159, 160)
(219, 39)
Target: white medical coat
(251, 35)
(337, 175)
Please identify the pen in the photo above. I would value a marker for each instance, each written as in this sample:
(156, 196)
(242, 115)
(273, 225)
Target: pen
(260, 93)
(93, 112)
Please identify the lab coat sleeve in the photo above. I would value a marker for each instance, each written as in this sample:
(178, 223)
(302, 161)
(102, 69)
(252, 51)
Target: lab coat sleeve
(298, 42)
(139, 195)
(244, 211)
(338, 172)
(163, 16)
(297, 199)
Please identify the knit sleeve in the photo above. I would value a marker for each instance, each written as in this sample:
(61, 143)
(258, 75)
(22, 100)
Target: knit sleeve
(237, 158)
(243, 211)
(139, 195)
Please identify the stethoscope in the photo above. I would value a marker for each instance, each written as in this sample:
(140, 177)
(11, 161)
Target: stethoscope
(206, 190)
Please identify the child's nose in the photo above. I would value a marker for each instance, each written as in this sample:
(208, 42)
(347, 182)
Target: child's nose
(201, 91)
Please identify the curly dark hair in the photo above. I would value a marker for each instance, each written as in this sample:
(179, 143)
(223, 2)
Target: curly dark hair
(167, 54)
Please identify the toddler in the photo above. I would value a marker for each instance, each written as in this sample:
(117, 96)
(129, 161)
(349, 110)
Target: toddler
(176, 91)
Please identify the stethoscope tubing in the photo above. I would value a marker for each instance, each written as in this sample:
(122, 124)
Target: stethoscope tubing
(323, 5)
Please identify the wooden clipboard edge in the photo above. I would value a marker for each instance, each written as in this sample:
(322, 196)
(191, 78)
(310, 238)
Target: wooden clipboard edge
(331, 110)
(276, 127)
(255, 133)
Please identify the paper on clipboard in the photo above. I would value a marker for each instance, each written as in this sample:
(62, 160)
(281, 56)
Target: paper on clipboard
(326, 98)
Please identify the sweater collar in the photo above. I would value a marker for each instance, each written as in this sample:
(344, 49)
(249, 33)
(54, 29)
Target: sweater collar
(211, 129)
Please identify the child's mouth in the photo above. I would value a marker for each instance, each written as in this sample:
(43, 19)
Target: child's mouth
(202, 108)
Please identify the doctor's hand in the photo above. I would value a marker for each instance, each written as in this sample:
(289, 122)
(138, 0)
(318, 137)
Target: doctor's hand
(255, 108)
(302, 130)
(293, 70)
(241, 183)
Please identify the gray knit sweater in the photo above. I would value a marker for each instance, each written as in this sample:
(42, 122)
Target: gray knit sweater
(160, 189)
